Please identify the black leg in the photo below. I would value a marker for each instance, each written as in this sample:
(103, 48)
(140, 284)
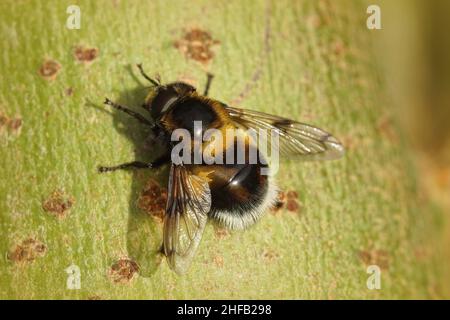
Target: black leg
(128, 111)
(136, 165)
(128, 165)
(154, 82)
(208, 83)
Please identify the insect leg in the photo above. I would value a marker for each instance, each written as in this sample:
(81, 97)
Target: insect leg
(208, 83)
(136, 165)
(154, 82)
(127, 165)
(128, 111)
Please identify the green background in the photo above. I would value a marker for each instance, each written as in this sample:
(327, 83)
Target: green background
(316, 63)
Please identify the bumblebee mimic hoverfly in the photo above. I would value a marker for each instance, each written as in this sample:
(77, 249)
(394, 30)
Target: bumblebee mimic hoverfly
(235, 193)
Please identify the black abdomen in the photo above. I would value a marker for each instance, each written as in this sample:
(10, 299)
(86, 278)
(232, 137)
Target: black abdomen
(245, 185)
(239, 194)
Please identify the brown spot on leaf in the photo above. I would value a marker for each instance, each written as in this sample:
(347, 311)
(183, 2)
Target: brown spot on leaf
(123, 270)
(286, 200)
(375, 257)
(68, 92)
(50, 69)
(218, 261)
(10, 125)
(152, 200)
(196, 44)
(84, 54)
(292, 205)
(58, 204)
(221, 233)
(3, 120)
(27, 251)
(95, 297)
(15, 124)
(270, 255)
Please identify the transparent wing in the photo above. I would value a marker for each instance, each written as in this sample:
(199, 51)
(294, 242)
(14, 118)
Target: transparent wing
(188, 204)
(295, 139)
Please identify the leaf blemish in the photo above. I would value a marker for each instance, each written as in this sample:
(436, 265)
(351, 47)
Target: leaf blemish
(27, 251)
(292, 205)
(50, 69)
(123, 270)
(10, 125)
(58, 204)
(68, 92)
(221, 233)
(85, 54)
(152, 200)
(375, 257)
(270, 255)
(196, 44)
(288, 200)
(218, 261)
